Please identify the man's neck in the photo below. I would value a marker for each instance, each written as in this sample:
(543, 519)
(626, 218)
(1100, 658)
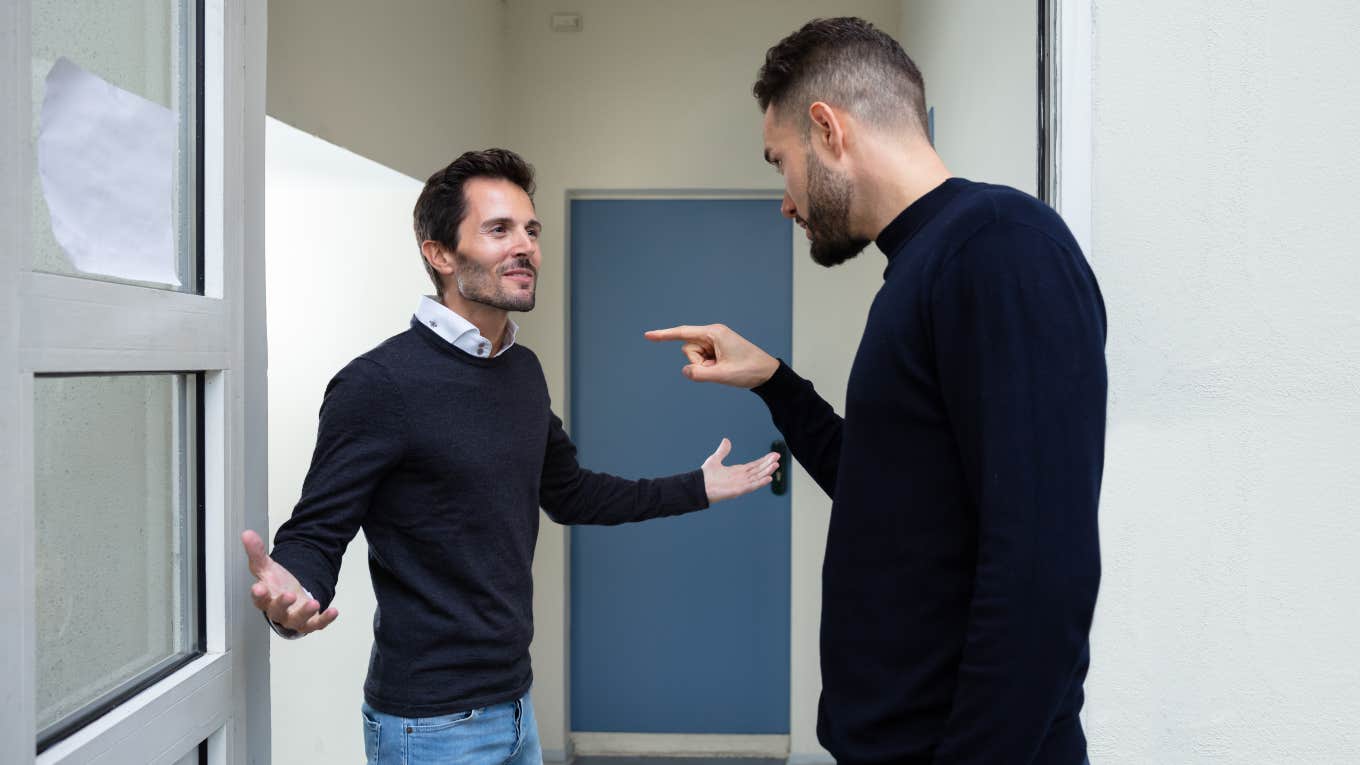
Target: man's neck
(488, 320)
(897, 180)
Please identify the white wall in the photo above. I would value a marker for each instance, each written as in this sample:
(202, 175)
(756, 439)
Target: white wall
(344, 274)
(1224, 240)
(978, 60)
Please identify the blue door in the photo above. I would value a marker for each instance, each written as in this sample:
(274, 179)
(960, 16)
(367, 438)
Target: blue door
(678, 625)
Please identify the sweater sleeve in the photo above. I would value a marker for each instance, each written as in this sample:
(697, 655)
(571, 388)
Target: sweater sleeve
(1019, 332)
(570, 494)
(359, 439)
(807, 422)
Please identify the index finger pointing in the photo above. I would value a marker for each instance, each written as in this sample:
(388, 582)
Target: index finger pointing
(684, 332)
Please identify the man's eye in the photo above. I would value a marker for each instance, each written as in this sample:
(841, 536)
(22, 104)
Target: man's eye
(498, 229)
(533, 232)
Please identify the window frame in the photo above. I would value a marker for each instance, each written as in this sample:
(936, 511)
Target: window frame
(57, 324)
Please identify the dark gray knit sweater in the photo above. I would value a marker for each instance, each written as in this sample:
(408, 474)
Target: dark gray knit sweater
(444, 459)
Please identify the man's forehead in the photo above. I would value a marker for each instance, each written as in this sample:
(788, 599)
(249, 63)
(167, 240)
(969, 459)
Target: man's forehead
(485, 193)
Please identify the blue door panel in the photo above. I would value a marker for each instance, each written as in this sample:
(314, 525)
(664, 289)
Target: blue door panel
(678, 625)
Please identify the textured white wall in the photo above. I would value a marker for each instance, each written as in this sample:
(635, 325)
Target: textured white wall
(1224, 240)
(344, 274)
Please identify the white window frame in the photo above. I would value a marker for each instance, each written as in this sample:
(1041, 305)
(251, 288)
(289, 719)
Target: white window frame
(59, 324)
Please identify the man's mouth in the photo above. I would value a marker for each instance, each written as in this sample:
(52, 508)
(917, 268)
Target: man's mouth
(522, 276)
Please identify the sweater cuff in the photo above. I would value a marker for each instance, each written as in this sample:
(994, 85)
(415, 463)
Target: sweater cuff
(698, 489)
(783, 383)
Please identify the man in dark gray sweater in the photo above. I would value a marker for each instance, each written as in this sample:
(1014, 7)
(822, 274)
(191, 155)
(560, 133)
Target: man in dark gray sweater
(441, 445)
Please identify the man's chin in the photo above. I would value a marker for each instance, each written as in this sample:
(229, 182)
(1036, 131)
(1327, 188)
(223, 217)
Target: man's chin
(829, 255)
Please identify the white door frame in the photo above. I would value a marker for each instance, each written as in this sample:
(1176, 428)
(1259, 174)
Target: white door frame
(1068, 121)
(222, 696)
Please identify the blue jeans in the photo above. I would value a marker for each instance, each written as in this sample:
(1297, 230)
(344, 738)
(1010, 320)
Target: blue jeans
(503, 734)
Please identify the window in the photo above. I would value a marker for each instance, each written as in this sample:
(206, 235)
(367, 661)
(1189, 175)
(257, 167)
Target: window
(131, 380)
(144, 51)
(116, 515)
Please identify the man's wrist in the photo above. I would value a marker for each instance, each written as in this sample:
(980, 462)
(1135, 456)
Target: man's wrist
(770, 366)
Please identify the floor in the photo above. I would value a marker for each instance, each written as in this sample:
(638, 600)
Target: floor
(675, 761)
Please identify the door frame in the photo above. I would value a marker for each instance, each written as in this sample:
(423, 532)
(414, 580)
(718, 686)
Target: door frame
(221, 697)
(1066, 123)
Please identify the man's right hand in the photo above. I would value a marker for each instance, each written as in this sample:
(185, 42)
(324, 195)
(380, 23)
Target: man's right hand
(717, 354)
(278, 593)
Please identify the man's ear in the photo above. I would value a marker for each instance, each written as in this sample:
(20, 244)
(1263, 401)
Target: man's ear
(828, 129)
(438, 256)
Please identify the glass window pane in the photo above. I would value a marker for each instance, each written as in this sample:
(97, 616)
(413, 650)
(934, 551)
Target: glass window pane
(145, 48)
(116, 520)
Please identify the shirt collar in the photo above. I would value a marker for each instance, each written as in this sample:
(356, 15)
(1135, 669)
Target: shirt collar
(458, 331)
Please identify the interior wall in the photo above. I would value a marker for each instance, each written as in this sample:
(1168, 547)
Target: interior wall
(979, 61)
(344, 274)
(410, 84)
(1225, 160)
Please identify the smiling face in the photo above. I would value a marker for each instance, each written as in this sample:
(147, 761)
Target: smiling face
(497, 258)
(815, 195)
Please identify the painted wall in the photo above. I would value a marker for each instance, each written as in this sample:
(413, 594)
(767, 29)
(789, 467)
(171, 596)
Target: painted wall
(344, 274)
(986, 104)
(1224, 241)
(411, 84)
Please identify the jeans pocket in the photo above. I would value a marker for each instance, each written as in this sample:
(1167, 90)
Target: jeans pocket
(443, 722)
(372, 737)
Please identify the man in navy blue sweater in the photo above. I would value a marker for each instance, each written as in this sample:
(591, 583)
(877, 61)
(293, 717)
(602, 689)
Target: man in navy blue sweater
(962, 559)
(441, 445)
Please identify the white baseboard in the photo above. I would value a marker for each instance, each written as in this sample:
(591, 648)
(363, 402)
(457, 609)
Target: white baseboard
(679, 745)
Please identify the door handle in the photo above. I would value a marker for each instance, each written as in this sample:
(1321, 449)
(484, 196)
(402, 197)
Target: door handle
(779, 486)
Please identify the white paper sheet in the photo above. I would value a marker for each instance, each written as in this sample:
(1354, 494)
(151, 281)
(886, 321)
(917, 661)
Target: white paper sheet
(106, 158)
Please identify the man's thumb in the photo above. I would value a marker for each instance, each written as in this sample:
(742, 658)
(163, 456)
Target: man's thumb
(254, 551)
(724, 448)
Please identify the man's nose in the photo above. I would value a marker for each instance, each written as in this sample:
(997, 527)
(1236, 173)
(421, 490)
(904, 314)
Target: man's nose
(787, 207)
(525, 244)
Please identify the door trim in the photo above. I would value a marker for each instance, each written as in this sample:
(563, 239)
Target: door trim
(1065, 113)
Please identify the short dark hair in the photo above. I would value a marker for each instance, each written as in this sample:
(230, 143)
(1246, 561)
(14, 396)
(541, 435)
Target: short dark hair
(443, 205)
(848, 63)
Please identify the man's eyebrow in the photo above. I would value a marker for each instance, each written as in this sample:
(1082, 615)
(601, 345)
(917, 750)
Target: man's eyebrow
(510, 222)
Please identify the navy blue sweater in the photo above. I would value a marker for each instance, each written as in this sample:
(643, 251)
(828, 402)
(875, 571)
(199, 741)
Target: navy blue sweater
(962, 560)
(444, 459)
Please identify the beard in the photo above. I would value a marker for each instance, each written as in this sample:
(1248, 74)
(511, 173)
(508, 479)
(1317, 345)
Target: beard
(828, 215)
(482, 284)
